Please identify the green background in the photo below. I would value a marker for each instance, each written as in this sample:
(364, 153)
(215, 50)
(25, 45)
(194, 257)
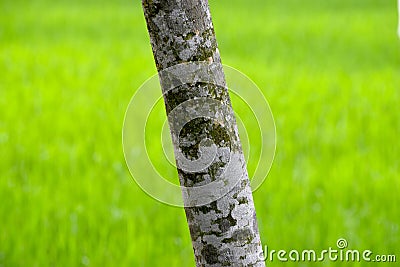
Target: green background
(329, 69)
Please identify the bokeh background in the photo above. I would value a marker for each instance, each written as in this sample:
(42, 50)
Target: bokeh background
(329, 69)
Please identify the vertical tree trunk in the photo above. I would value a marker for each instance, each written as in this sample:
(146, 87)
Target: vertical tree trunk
(224, 230)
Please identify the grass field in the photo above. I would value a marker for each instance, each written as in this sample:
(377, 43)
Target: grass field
(329, 69)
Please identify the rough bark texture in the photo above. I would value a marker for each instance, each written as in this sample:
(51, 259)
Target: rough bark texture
(224, 232)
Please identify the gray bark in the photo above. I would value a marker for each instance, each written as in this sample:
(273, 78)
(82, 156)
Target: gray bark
(224, 231)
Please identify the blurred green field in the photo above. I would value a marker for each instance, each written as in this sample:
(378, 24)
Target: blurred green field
(329, 69)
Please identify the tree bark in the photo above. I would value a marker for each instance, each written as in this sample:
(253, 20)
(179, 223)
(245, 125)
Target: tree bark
(224, 230)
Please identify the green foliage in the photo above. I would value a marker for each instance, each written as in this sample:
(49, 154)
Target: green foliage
(330, 70)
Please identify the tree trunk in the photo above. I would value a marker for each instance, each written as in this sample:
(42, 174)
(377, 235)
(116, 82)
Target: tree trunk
(221, 217)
